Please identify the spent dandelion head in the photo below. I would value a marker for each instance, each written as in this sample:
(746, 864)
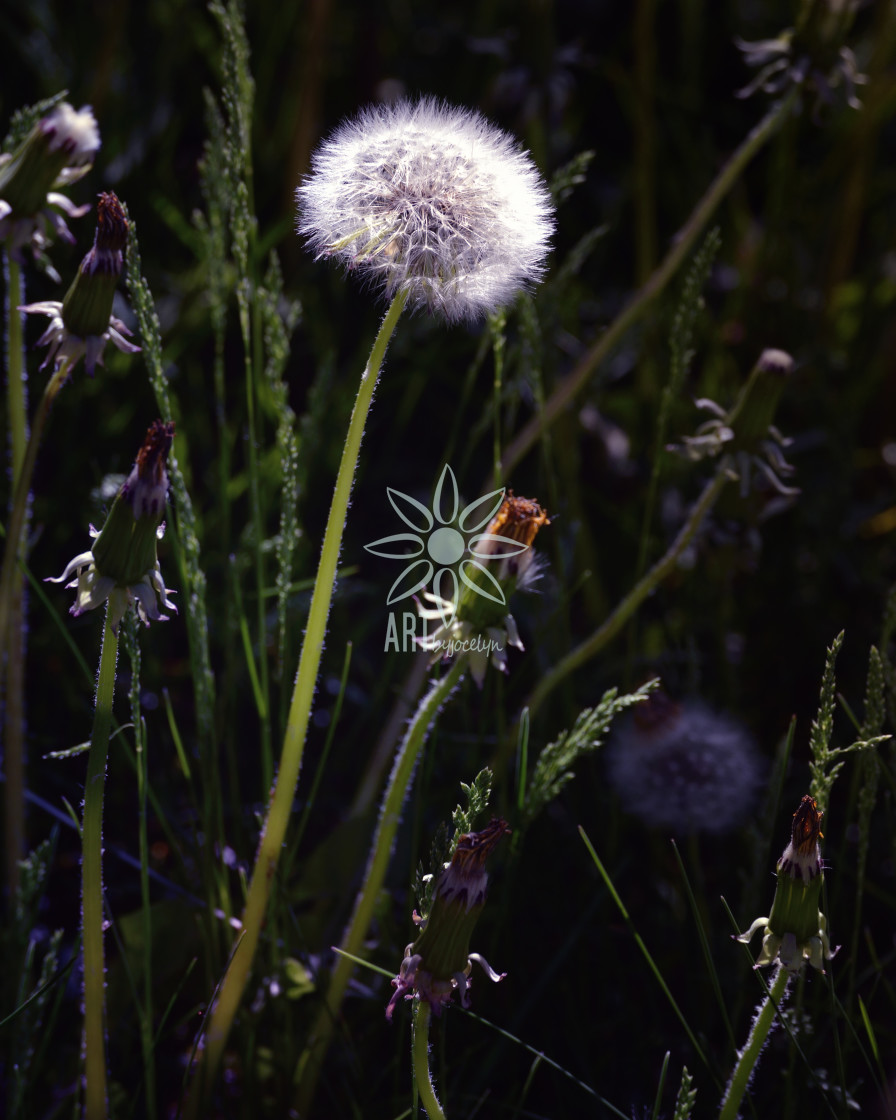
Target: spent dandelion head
(57, 151)
(122, 565)
(796, 930)
(430, 200)
(82, 323)
(475, 622)
(439, 962)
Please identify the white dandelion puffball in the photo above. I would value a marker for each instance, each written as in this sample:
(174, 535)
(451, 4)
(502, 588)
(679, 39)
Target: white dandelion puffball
(683, 767)
(431, 200)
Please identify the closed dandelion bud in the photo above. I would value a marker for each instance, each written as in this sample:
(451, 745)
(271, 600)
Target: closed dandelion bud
(476, 623)
(83, 322)
(58, 147)
(754, 410)
(750, 446)
(87, 307)
(439, 961)
(796, 930)
(505, 552)
(58, 151)
(122, 566)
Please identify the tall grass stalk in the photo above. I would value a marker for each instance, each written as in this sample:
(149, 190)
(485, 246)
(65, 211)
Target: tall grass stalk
(577, 378)
(280, 806)
(618, 617)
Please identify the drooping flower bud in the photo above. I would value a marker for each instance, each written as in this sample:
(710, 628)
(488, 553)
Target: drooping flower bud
(796, 929)
(439, 961)
(59, 146)
(122, 566)
(83, 322)
(58, 150)
(744, 436)
(477, 623)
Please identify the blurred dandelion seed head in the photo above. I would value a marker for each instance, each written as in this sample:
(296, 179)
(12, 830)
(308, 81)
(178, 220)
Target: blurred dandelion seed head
(73, 131)
(672, 765)
(431, 200)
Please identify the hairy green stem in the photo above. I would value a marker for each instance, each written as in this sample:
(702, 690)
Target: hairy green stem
(749, 1056)
(95, 1107)
(19, 508)
(578, 377)
(280, 806)
(623, 612)
(12, 653)
(420, 1055)
(377, 865)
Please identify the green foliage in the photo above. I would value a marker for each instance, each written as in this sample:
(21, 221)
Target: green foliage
(686, 1098)
(23, 120)
(262, 346)
(828, 761)
(571, 175)
(554, 766)
(464, 817)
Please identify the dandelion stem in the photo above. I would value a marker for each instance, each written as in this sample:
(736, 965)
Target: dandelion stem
(12, 654)
(15, 526)
(377, 865)
(578, 377)
(280, 806)
(420, 1054)
(749, 1056)
(623, 612)
(92, 884)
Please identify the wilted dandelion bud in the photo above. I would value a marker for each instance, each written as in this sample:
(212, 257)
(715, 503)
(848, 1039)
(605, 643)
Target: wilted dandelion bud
(58, 150)
(432, 201)
(812, 55)
(796, 929)
(750, 446)
(475, 622)
(672, 765)
(122, 566)
(83, 322)
(439, 961)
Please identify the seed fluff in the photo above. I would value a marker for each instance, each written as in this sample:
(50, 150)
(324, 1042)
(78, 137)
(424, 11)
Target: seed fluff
(432, 200)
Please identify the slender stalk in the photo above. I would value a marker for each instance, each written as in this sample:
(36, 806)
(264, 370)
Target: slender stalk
(749, 1056)
(19, 508)
(92, 884)
(377, 865)
(280, 806)
(577, 378)
(623, 612)
(420, 1056)
(12, 654)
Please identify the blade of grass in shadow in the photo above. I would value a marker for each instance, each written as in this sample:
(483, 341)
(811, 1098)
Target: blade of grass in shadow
(644, 950)
(661, 1085)
(704, 946)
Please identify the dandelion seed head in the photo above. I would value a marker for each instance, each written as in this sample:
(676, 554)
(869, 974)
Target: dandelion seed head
(674, 765)
(432, 200)
(73, 131)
